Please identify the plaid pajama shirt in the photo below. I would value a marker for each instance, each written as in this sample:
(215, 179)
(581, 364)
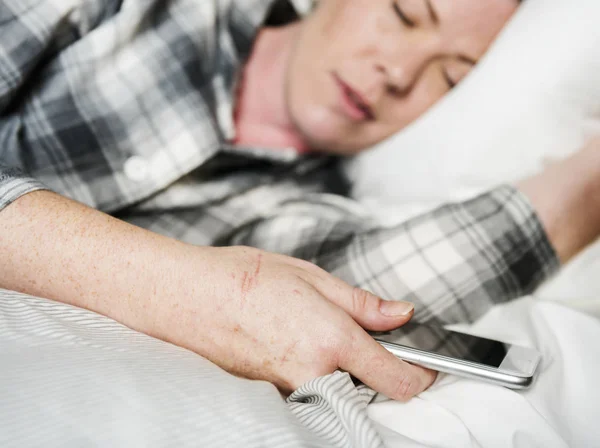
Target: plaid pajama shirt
(127, 106)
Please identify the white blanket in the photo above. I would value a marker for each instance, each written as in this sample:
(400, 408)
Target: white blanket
(562, 409)
(71, 378)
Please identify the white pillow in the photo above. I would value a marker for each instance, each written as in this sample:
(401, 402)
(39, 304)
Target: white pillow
(533, 99)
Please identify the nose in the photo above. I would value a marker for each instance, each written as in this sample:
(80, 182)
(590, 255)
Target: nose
(399, 77)
(385, 79)
(399, 65)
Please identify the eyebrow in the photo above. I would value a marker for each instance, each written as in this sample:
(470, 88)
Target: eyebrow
(432, 13)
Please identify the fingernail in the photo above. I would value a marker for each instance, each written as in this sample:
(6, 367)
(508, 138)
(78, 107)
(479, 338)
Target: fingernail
(396, 309)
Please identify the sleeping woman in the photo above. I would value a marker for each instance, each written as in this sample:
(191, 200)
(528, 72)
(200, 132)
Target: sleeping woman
(173, 166)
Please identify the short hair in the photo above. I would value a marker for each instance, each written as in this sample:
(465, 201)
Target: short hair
(282, 13)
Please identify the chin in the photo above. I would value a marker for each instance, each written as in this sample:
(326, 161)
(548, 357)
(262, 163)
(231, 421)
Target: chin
(330, 142)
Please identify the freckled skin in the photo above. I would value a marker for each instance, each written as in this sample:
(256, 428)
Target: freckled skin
(257, 271)
(289, 352)
(250, 281)
(245, 288)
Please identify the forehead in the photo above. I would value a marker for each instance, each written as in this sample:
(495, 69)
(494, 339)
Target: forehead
(472, 25)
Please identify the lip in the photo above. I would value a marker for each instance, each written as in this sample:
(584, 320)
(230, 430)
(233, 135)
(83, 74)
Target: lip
(353, 103)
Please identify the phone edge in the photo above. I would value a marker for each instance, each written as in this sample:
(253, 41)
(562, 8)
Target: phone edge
(459, 367)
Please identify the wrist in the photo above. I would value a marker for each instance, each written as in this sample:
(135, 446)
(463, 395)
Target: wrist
(566, 197)
(180, 303)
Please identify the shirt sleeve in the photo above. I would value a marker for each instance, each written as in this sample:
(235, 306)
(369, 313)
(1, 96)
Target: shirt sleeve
(14, 184)
(454, 263)
(31, 33)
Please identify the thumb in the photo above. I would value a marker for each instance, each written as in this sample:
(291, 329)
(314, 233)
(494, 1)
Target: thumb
(374, 313)
(382, 371)
(367, 309)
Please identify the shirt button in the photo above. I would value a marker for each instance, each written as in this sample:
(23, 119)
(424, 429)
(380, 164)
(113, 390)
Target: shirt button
(136, 169)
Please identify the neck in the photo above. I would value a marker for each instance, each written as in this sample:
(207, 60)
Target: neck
(262, 118)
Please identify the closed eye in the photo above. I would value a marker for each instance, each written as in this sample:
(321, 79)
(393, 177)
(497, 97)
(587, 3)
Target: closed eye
(451, 83)
(403, 18)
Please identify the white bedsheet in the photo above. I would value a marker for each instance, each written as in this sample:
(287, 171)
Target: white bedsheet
(70, 377)
(562, 409)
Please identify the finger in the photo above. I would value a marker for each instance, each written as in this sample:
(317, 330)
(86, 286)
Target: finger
(367, 309)
(379, 369)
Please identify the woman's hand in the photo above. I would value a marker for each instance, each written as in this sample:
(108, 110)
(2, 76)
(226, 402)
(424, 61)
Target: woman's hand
(271, 317)
(255, 314)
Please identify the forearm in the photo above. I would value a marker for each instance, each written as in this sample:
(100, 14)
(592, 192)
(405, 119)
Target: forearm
(59, 249)
(243, 309)
(566, 197)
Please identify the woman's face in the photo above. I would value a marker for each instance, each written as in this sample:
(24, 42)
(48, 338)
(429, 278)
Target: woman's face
(363, 69)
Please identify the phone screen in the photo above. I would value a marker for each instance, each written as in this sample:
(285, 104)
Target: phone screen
(447, 343)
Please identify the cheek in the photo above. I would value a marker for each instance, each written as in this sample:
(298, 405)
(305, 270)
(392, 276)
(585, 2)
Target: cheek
(308, 102)
(401, 112)
(342, 35)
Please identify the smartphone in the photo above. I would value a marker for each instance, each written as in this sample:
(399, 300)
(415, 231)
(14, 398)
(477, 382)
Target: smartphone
(462, 354)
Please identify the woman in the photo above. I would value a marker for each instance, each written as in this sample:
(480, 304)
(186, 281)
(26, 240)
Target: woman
(141, 112)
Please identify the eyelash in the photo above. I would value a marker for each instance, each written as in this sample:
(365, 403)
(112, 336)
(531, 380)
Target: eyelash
(405, 20)
(451, 83)
(410, 24)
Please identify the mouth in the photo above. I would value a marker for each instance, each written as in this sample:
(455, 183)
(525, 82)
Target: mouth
(354, 105)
